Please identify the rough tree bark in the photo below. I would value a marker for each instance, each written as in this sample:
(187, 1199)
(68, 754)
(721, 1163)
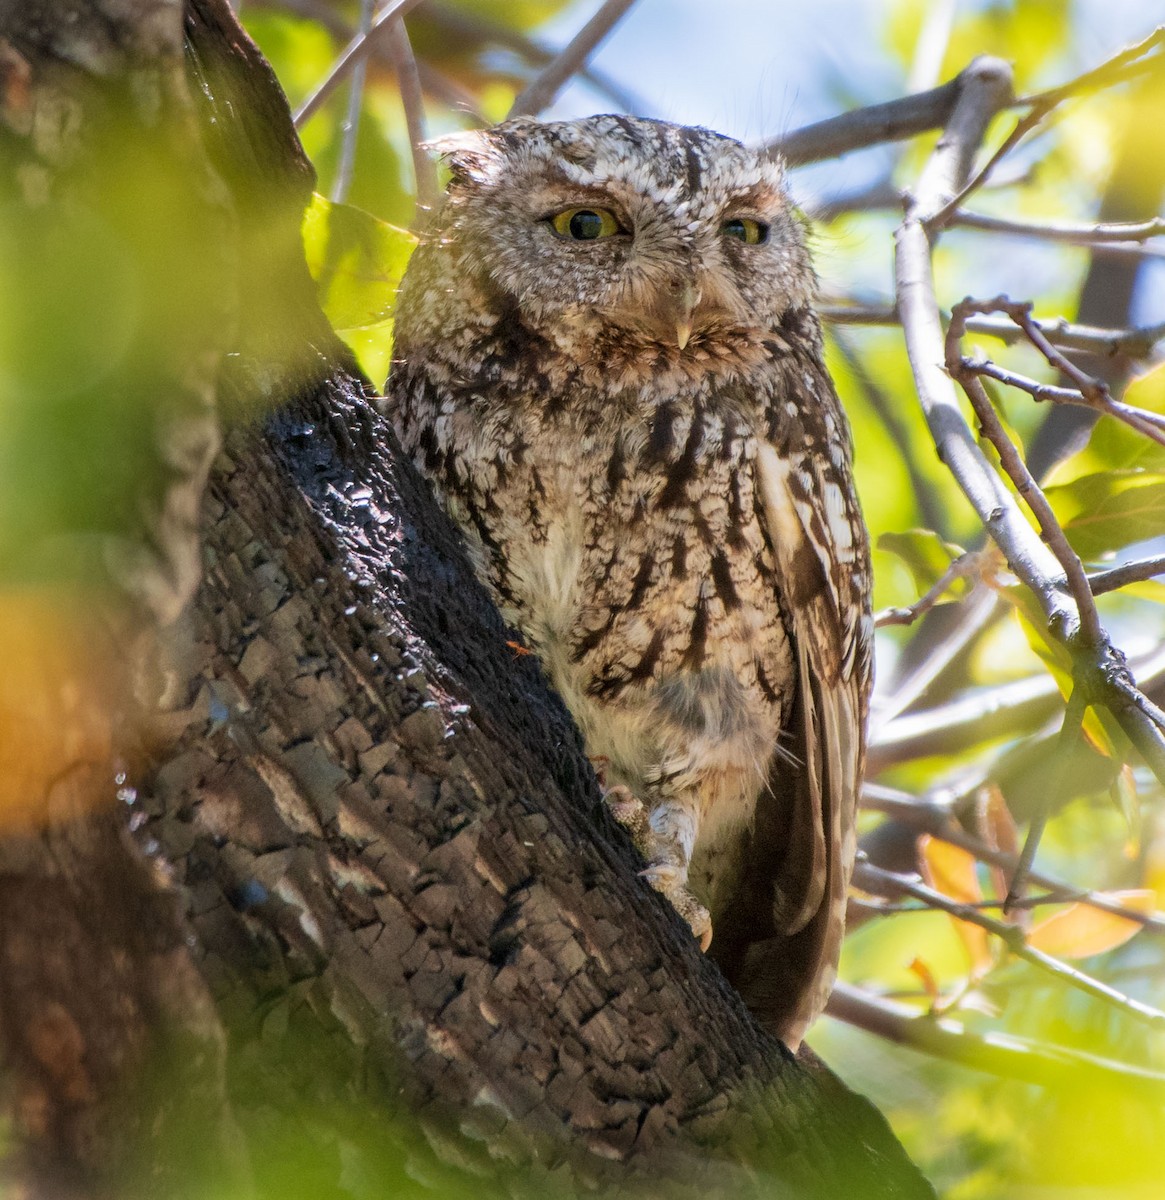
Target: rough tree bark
(359, 896)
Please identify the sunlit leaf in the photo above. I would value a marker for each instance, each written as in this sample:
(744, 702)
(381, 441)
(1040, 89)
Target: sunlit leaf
(953, 871)
(1106, 511)
(1123, 791)
(357, 262)
(1081, 930)
(1115, 444)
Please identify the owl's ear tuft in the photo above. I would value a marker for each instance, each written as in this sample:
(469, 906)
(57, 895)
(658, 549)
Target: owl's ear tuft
(471, 155)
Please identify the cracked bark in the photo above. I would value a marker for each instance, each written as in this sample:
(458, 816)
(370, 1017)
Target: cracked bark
(364, 900)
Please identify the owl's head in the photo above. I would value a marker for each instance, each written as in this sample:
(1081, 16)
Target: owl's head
(665, 234)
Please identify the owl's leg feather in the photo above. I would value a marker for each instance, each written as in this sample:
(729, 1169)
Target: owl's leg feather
(666, 851)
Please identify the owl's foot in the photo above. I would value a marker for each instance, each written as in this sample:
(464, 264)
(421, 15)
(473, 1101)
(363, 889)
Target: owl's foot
(667, 869)
(670, 882)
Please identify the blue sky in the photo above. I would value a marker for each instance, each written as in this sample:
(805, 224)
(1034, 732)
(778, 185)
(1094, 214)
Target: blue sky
(754, 68)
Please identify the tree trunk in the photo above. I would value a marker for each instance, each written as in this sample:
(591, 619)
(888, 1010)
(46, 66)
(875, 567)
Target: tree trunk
(359, 924)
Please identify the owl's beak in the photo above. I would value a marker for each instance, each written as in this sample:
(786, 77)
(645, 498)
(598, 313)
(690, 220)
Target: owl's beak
(683, 304)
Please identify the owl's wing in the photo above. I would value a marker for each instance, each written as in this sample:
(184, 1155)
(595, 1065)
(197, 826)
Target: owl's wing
(804, 839)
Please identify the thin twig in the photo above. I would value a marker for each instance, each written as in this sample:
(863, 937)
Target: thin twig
(1112, 70)
(351, 125)
(1029, 121)
(1123, 576)
(1090, 339)
(1069, 734)
(858, 314)
(356, 51)
(542, 90)
(1117, 68)
(890, 883)
(1074, 234)
(967, 564)
(937, 819)
(1009, 1057)
(413, 102)
(1010, 458)
(1148, 424)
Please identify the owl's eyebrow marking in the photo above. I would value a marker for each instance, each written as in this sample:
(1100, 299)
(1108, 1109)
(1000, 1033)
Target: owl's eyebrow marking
(692, 165)
(760, 197)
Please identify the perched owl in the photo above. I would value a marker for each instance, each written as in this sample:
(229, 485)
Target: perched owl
(608, 365)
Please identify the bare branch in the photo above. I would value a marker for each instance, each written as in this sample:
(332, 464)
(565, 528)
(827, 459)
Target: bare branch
(1070, 613)
(1016, 468)
(356, 51)
(986, 91)
(413, 102)
(967, 564)
(351, 124)
(936, 818)
(1121, 66)
(1074, 234)
(1113, 70)
(542, 90)
(999, 1054)
(1122, 576)
(1090, 339)
(1149, 424)
(889, 883)
(869, 126)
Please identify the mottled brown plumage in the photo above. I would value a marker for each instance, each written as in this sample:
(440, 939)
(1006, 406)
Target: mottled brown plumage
(628, 414)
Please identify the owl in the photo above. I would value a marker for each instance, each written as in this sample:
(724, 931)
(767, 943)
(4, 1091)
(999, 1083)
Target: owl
(608, 365)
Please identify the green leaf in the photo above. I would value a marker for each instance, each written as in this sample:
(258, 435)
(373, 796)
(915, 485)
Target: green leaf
(1114, 444)
(928, 556)
(357, 262)
(1108, 510)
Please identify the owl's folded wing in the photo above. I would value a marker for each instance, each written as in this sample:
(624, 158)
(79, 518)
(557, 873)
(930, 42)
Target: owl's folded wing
(804, 838)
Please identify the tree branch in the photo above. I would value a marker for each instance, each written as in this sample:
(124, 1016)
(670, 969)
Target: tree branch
(413, 102)
(891, 884)
(355, 52)
(1000, 1054)
(1074, 234)
(542, 90)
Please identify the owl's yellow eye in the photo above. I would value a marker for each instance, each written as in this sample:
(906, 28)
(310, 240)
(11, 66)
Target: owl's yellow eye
(746, 230)
(585, 224)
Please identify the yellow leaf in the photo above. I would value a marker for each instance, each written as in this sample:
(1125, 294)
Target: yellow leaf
(1081, 930)
(953, 872)
(926, 975)
(997, 828)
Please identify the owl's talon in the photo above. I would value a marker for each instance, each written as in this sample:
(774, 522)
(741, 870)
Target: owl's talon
(630, 812)
(669, 879)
